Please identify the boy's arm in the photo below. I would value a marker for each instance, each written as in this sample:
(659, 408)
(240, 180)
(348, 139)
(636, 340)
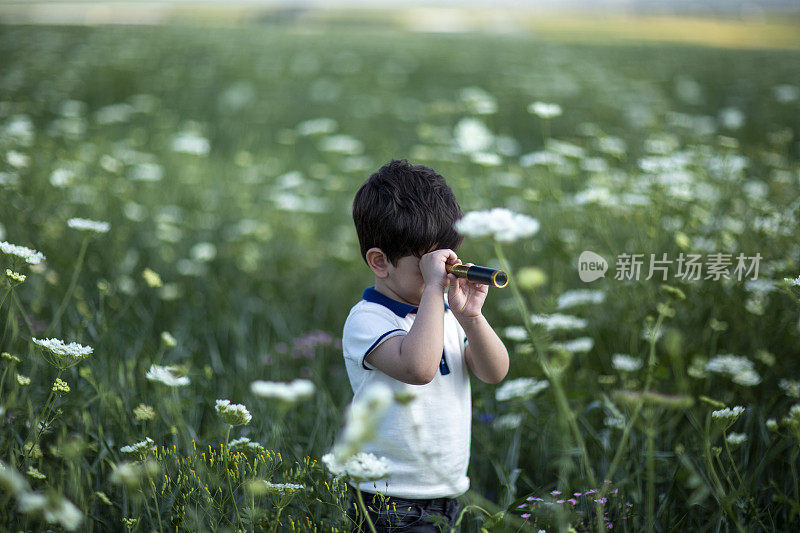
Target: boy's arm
(414, 357)
(486, 355)
(417, 357)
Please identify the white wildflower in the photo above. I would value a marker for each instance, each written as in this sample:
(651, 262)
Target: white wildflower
(283, 487)
(190, 143)
(362, 419)
(520, 388)
(367, 467)
(794, 282)
(739, 368)
(544, 110)
(557, 321)
(140, 448)
(471, 135)
(625, 363)
(84, 224)
(243, 443)
(60, 354)
(30, 256)
(579, 345)
(501, 223)
(515, 333)
(167, 375)
(790, 387)
(507, 421)
(735, 439)
(728, 413)
(12, 481)
(317, 126)
(297, 390)
(233, 414)
(579, 297)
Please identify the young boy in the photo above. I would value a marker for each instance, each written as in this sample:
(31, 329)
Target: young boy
(408, 334)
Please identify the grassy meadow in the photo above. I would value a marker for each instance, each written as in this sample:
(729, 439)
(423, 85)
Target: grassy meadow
(225, 161)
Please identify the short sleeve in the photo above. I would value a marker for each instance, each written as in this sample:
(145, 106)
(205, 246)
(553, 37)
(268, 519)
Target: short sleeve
(364, 331)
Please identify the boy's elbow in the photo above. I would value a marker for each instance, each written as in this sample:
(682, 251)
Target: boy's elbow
(423, 376)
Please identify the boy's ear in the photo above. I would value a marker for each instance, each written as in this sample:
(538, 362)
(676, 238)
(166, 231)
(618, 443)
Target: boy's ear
(377, 261)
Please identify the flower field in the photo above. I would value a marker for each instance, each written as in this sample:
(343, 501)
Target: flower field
(178, 258)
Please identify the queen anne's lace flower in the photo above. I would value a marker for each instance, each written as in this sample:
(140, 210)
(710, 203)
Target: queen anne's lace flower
(361, 466)
(520, 388)
(557, 321)
(233, 414)
(60, 354)
(501, 223)
(362, 419)
(739, 368)
(140, 448)
(544, 110)
(735, 439)
(283, 487)
(297, 390)
(84, 224)
(625, 363)
(578, 297)
(728, 413)
(244, 443)
(167, 376)
(30, 256)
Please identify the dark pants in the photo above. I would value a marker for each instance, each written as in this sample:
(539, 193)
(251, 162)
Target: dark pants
(403, 514)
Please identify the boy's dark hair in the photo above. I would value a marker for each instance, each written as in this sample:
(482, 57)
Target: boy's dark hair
(405, 209)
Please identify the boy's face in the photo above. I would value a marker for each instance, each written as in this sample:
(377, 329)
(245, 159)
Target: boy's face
(406, 279)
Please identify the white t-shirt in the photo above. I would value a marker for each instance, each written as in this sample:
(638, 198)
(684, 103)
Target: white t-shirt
(427, 441)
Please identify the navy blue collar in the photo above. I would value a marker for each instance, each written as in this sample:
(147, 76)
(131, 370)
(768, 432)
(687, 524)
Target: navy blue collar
(401, 309)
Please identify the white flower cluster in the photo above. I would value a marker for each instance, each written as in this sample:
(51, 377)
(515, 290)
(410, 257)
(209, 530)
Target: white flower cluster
(735, 439)
(579, 345)
(507, 422)
(140, 448)
(243, 443)
(557, 321)
(362, 420)
(544, 110)
(63, 355)
(30, 256)
(515, 333)
(739, 368)
(283, 487)
(795, 282)
(297, 390)
(791, 387)
(53, 508)
(625, 363)
(84, 224)
(501, 223)
(361, 466)
(578, 297)
(728, 413)
(520, 388)
(166, 375)
(233, 414)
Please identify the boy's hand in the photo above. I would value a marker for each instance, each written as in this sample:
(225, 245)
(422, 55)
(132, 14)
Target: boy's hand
(432, 267)
(466, 298)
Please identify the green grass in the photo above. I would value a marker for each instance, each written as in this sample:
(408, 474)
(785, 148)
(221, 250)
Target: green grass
(278, 274)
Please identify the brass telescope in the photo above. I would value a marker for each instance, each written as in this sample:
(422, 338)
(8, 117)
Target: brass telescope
(479, 274)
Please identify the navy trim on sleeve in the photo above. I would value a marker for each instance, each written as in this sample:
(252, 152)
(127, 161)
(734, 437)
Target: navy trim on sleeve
(374, 344)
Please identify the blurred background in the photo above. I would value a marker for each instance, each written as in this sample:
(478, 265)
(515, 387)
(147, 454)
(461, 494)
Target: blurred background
(224, 141)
